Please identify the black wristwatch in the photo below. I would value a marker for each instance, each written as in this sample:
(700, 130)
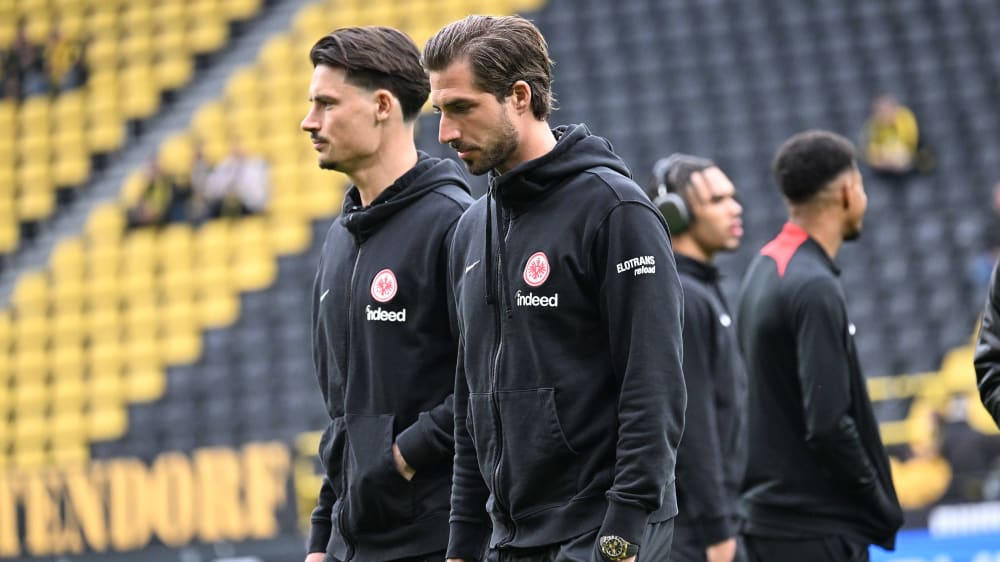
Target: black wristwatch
(615, 548)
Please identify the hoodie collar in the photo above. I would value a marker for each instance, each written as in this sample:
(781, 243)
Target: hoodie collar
(428, 174)
(706, 272)
(576, 150)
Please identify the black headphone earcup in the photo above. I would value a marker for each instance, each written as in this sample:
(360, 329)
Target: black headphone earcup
(674, 211)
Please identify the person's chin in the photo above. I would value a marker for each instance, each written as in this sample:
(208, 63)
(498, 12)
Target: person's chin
(328, 165)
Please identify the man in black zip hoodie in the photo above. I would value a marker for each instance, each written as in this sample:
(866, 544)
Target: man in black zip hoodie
(987, 357)
(817, 484)
(569, 397)
(384, 334)
(699, 204)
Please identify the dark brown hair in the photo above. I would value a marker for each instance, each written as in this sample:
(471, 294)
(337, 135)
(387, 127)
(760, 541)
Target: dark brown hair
(374, 58)
(501, 50)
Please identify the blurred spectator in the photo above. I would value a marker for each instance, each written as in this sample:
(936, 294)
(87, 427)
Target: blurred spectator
(23, 66)
(982, 264)
(64, 62)
(237, 186)
(891, 141)
(164, 200)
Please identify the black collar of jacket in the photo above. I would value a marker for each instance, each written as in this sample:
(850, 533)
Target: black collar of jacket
(362, 222)
(699, 270)
(813, 246)
(576, 150)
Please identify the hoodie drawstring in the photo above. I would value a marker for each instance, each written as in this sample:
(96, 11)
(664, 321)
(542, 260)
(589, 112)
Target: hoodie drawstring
(488, 257)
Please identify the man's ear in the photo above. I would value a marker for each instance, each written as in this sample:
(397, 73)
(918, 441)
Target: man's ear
(520, 96)
(384, 101)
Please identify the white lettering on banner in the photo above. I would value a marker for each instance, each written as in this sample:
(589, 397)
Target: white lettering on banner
(379, 315)
(530, 299)
(640, 264)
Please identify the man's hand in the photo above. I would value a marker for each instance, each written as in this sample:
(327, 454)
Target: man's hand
(630, 559)
(723, 551)
(404, 470)
(453, 560)
(315, 557)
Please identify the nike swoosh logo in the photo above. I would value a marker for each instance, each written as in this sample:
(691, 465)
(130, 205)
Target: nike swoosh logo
(468, 268)
(323, 296)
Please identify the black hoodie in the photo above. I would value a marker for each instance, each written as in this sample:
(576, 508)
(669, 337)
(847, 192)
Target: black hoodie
(569, 398)
(384, 346)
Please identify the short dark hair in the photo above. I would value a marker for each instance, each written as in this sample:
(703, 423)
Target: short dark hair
(674, 173)
(374, 58)
(501, 50)
(808, 161)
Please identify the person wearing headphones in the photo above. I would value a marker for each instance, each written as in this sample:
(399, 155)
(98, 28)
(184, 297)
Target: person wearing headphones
(700, 207)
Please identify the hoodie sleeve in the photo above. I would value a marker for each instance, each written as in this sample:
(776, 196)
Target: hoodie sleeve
(469, 523)
(699, 461)
(322, 523)
(987, 355)
(431, 439)
(641, 301)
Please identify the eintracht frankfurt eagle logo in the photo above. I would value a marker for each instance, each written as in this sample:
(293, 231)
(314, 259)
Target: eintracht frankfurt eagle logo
(384, 286)
(537, 270)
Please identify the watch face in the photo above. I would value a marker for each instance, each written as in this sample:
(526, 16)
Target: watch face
(613, 547)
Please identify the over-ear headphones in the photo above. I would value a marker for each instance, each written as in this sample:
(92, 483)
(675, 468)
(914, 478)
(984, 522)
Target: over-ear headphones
(671, 204)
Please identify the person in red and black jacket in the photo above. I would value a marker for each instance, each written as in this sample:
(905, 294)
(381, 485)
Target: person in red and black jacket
(817, 484)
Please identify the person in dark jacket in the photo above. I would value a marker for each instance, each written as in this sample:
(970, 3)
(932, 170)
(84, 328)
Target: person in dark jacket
(987, 356)
(569, 397)
(384, 336)
(817, 484)
(699, 204)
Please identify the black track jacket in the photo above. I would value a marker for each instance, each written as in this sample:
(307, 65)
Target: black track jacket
(712, 456)
(385, 354)
(816, 465)
(987, 357)
(569, 398)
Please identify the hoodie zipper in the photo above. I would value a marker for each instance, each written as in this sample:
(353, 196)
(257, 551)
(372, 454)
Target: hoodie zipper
(499, 304)
(341, 523)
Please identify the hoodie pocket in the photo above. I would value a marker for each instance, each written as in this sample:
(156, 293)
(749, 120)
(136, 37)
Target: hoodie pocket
(378, 497)
(538, 467)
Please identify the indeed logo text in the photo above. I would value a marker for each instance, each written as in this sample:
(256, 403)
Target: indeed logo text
(531, 299)
(379, 315)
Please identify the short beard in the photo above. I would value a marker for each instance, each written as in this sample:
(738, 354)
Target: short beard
(329, 165)
(501, 150)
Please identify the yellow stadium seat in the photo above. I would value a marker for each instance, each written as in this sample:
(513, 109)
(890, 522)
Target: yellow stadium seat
(67, 361)
(102, 260)
(36, 205)
(208, 36)
(106, 421)
(241, 9)
(137, 18)
(67, 259)
(69, 109)
(104, 324)
(72, 167)
(145, 384)
(106, 223)
(70, 454)
(30, 330)
(102, 52)
(169, 15)
(141, 97)
(182, 348)
(67, 327)
(106, 137)
(69, 392)
(8, 32)
(31, 396)
(288, 234)
(142, 350)
(30, 359)
(29, 456)
(219, 308)
(141, 320)
(103, 20)
(137, 48)
(133, 187)
(6, 336)
(10, 234)
(31, 291)
(174, 71)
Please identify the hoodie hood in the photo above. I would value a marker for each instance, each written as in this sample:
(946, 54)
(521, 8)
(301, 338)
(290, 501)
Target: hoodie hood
(576, 150)
(428, 174)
